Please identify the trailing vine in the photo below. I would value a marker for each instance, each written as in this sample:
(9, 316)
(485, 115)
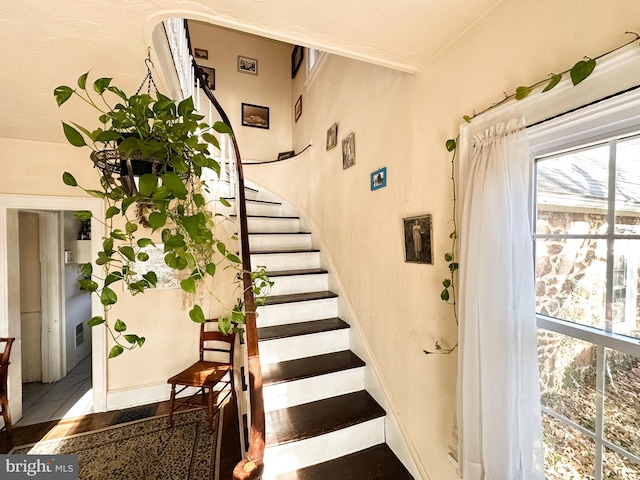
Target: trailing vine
(580, 71)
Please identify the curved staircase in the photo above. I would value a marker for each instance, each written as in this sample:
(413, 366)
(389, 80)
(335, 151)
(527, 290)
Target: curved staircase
(321, 423)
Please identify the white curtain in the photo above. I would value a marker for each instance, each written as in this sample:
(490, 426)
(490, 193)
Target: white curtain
(498, 390)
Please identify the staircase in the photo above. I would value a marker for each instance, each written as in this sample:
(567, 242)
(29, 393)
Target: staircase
(321, 423)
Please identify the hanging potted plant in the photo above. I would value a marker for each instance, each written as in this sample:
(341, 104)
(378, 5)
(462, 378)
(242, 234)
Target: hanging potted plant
(151, 152)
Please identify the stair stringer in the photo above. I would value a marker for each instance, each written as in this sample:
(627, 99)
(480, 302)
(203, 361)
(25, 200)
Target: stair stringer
(396, 434)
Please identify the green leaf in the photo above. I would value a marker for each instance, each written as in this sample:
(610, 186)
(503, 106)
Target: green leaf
(126, 203)
(448, 257)
(451, 145)
(157, 219)
(107, 245)
(69, 179)
(467, 118)
(145, 242)
(82, 80)
(62, 94)
(130, 228)
(112, 277)
(83, 214)
(175, 184)
(209, 138)
(120, 326)
(118, 234)
(118, 92)
(74, 137)
(233, 258)
(94, 321)
(210, 269)
(128, 252)
(188, 285)
(151, 277)
(198, 199)
(196, 314)
(185, 106)
(148, 183)
(582, 70)
(88, 284)
(108, 296)
(111, 211)
(143, 256)
(224, 202)
(453, 266)
(101, 84)
(555, 79)
(131, 338)
(446, 282)
(444, 295)
(522, 92)
(222, 127)
(86, 268)
(115, 351)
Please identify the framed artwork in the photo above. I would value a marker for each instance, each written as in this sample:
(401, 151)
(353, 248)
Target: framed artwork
(379, 178)
(166, 275)
(255, 116)
(247, 65)
(349, 151)
(298, 107)
(296, 59)
(201, 53)
(417, 239)
(332, 136)
(210, 76)
(285, 155)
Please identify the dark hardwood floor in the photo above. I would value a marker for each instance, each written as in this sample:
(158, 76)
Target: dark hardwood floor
(230, 453)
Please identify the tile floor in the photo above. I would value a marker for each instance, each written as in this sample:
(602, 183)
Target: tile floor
(72, 396)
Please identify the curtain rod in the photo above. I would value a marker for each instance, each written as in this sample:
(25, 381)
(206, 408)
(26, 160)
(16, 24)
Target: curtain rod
(622, 92)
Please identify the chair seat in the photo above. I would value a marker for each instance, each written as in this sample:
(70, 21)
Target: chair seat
(201, 374)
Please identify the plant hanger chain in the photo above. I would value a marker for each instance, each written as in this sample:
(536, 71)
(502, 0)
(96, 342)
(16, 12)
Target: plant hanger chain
(148, 79)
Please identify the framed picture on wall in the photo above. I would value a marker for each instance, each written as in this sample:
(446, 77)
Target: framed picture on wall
(201, 53)
(296, 59)
(247, 65)
(298, 109)
(209, 76)
(349, 151)
(332, 136)
(417, 239)
(379, 178)
(255, 116)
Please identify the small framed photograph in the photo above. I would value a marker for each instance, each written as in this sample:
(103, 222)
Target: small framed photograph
(247, 65)
(285, 155)
(349, 151)
(332, 136)
(296, 59)
(379, 178)
(255, 116)
(201, 53)
(298, 107)
(209, 75)
(417, 239)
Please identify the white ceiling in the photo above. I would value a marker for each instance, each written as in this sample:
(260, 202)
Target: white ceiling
(48, 43)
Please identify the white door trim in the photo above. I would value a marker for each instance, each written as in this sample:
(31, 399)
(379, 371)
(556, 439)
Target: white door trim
(11, 326)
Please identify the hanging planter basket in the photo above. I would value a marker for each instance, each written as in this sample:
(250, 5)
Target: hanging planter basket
(114, 165)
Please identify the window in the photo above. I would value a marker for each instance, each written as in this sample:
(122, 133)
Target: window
(587, 257)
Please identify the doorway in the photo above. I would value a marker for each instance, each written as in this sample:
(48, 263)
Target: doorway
(48, 209)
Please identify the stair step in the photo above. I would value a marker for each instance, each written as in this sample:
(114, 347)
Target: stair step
(302, 271)
(301, 328)
(374, 463)
(310, 367)
(268, 223)
(287, 260)
(300, 297)
(309, 379)
(279, 241)
(320, 417)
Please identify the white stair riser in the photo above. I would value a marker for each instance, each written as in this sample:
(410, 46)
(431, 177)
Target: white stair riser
(292, 456)
(288, 241)
(287, 261)
(300, 284)
(267, 209)
(297, 392)
(291, 348)
(271, 315)
(273, 224)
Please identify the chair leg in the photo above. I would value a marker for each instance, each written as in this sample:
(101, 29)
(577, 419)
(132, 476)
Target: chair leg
(210, 410)
(171, 404)
(4, 405)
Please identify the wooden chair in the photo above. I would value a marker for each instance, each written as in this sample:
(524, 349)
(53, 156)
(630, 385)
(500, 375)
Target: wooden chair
(212, 374)
(5, 349)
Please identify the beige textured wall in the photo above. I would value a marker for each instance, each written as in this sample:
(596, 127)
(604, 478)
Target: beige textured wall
(402, 122)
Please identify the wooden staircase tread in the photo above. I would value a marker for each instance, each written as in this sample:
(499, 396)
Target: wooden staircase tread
(279, 233)
(279, 217)
(248, 200)
(320, 417)
(291, 273)
(284, 251)
(307, 367)
(301, 328)
(299, 297)
(374, 463)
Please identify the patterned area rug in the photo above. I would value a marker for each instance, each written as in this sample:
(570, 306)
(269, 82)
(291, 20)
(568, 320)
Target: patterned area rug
(142, 450)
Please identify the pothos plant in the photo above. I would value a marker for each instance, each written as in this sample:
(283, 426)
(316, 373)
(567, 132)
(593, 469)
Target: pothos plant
(167, 146)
